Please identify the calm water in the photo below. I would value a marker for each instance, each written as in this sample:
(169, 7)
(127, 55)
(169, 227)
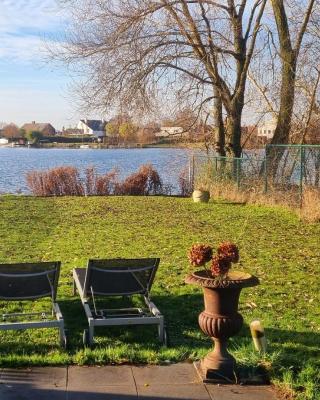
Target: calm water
(16, 162)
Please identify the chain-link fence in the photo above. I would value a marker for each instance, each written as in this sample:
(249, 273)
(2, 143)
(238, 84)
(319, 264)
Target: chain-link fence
(285, 170)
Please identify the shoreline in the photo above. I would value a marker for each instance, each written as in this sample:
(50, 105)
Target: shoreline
(80, 146)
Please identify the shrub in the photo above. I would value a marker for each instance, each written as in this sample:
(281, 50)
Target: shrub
(66, 181)
(142, 183)
(99, 185)
(60, 181)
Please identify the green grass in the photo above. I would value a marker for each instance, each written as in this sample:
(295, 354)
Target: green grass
(282, 251)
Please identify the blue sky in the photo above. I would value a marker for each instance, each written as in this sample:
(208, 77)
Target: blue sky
(30, 89)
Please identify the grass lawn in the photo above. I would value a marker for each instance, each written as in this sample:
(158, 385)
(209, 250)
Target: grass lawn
(274, 245)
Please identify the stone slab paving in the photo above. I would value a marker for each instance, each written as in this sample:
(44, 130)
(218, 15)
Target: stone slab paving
(172, 382)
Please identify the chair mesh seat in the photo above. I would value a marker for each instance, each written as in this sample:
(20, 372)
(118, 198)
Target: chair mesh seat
(119, 277)
(28, 280)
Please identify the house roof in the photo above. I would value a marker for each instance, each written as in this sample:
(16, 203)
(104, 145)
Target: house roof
(94, 124)
(36, 126)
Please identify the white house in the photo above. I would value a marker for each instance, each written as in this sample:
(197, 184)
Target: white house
(267, 128)
(94, 127)
(167, 131)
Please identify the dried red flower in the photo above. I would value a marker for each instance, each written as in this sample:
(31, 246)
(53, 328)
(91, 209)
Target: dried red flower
(200, 254)
(220, 265)
(229, 250)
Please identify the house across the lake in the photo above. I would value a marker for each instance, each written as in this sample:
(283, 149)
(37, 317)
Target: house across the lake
(171, 132)
(267, 128)
(94, 127)
(43, 127)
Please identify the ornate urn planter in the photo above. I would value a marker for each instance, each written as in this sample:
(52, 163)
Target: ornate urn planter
(220, 320)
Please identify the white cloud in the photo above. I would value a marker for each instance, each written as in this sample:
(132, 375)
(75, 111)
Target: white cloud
(34, 14)
(20, 49)
(23, 24)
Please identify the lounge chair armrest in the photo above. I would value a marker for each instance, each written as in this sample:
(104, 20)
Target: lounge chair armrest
(57, 311)
(87, 309)
(152, 307)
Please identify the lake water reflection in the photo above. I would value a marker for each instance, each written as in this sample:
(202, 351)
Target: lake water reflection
(16, 162)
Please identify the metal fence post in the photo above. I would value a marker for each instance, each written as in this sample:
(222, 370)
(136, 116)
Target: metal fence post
(265, 168)
(238, 172)
(192, 172)
(302, 161)
(265, 174)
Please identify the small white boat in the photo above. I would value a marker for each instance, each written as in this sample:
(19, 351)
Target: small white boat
(84, 146)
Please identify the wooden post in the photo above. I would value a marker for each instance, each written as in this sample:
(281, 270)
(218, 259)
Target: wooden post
(258, 336)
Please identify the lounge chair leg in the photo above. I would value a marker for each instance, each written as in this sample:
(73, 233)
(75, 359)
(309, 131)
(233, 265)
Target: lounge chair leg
(161, 330)
(62, 334)
(91, 335)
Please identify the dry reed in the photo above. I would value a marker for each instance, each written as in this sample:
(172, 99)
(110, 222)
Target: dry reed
(185, 186)
(59, 181)
(145, 182)
(254, 194)
(310, 210)
(99, 185)
(66, 181)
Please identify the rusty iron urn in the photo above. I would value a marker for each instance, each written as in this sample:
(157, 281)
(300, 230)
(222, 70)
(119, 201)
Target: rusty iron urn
(220, 320)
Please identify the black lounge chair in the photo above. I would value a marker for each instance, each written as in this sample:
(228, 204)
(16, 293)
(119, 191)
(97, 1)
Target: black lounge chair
(31, 281)
(118, 277)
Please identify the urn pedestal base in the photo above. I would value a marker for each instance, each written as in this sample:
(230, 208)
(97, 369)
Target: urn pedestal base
(213, 376)
(218, 366)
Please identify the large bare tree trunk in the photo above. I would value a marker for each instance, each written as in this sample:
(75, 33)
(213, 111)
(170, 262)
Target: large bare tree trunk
(288, 75)
(235, 127)
(289, 55)
(219, 131)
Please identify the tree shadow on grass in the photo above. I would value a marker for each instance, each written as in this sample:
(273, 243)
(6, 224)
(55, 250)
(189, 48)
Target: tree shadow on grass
(186, 339)
(181, 318)
(180, 312)
(295, 349)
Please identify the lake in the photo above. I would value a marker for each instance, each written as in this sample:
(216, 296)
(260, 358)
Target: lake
(16, 162)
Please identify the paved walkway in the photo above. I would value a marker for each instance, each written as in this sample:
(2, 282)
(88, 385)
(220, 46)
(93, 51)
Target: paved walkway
(170, 382)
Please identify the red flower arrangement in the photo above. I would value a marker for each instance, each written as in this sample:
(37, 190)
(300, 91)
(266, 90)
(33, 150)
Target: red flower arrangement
(200, 254)
(229, 250)
(227, 253)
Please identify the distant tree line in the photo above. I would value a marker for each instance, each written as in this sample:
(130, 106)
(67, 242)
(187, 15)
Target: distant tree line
(11, 132)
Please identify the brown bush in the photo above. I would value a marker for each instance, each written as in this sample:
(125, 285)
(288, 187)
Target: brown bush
(66, 181)
(99, 185)
(60, 181)
(142, 183)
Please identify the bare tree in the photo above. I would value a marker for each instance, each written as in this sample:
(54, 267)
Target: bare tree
(133, 51)
(11, 131)
(283, 78)
(289, 48)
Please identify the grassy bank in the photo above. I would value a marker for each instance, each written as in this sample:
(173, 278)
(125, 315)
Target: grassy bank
(282, 251)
